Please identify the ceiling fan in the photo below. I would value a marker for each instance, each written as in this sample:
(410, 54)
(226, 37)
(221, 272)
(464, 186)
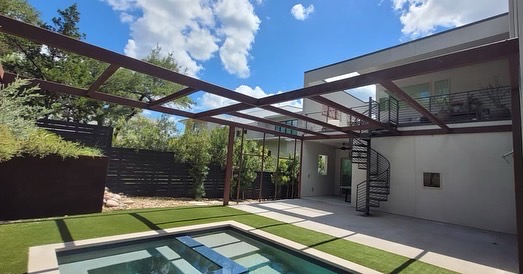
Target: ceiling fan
(343, 147)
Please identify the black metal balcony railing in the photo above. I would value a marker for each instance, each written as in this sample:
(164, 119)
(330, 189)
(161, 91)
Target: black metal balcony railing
(490, 104)
(477, 105)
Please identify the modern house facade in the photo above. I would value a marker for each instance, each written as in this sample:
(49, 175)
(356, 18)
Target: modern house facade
(465, 177)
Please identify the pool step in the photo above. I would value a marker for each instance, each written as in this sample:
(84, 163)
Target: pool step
(264, 270)
(253, 261)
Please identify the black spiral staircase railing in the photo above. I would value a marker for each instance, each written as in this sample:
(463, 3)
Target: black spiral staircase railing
(376, 188)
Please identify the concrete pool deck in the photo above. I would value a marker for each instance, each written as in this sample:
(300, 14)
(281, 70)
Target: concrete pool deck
(461, 249)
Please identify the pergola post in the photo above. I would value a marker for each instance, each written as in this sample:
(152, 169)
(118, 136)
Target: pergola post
(228, 167)
(277, 166)
(294, 162)
(261, 172)
(301, 165)
(240, 169)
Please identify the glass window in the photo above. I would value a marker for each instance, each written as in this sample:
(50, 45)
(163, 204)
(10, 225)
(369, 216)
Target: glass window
(287, 130)
(322, 164)
(431, 179)
(330, 112)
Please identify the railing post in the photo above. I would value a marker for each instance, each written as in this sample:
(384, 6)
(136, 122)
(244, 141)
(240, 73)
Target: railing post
(430, 104)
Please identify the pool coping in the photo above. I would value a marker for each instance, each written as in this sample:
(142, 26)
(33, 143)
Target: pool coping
(42, 259)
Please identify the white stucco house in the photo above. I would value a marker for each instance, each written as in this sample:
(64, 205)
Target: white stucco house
(463, 178)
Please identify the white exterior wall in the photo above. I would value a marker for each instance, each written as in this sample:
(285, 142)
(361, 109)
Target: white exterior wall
(313, 184)
(477, 186)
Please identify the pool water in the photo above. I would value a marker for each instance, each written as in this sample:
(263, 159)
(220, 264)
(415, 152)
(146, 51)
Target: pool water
(216, 251)
(259, 256)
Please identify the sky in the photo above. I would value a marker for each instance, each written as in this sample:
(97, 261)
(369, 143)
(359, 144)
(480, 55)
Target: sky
(263, 47)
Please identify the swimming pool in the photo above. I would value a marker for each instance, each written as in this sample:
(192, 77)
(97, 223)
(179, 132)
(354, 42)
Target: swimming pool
(225, 247)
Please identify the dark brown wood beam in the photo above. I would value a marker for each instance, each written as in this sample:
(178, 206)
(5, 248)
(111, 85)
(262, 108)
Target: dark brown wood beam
(172, 97)
(53, 39)
(249, 127)
(270, 122)
(462, 58)
(308, 119)
(61, 88)
(228, 167)
(463, 130)
(399, 93)
(108, 72)
(346, 110)
(223, 110)
(56, 87)
(331, 137)
(517, 146)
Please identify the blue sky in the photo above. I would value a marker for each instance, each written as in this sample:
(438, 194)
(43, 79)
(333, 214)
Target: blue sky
(262, 47)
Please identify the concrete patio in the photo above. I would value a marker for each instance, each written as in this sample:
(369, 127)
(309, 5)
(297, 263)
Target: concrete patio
(461, 249)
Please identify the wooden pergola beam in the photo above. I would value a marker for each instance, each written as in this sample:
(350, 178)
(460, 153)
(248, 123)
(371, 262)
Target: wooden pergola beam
(438, 131)
(53, 39)
(401, 94)
(173, 96)
(222, 110)
(61, 88)
(249, 127)
(346, 110)
(305, 118)
(106, 74)
(275, 123)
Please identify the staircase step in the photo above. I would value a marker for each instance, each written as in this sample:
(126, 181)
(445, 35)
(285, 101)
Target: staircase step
(378, 198)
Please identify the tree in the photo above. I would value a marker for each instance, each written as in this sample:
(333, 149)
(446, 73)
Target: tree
(141, 87)
(218, 150)
(41, 61)
(141, 132)
(286, 173)
(193, 148)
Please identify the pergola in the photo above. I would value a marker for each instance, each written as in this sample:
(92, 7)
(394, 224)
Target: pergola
(507, 49)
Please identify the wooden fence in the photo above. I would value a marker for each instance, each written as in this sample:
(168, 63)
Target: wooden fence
(85, 134)
(150, 173)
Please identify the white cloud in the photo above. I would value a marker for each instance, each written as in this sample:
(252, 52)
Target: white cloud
(239, 25)
(422, 17)
(126, 18)
(193, 30)
(211, 101)
(300, 12)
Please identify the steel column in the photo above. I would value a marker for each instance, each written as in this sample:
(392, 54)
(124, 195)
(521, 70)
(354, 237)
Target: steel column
(228, 167)
(240, 169)
(261, 172)
(301, 166)
(277, 166)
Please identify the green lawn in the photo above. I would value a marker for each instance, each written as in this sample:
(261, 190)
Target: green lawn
(16, 238)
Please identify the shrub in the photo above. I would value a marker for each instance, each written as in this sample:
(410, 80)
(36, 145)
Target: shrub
(20, 136)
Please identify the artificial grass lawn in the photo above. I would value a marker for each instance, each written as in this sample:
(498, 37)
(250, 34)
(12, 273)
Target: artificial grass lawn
(16, 238)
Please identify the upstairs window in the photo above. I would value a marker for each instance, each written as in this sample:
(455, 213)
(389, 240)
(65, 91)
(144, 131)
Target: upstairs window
(330, 112)
(287, 130)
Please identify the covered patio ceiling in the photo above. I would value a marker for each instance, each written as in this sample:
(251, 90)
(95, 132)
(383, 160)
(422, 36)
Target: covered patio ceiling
(507, 49)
